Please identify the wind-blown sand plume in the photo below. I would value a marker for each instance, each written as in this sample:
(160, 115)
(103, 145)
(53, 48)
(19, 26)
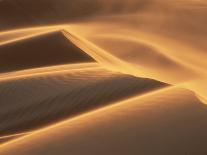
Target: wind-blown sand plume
(103, 77)
(21, 13)
(173, 45)
(159, 61)
(171, 121)
(103, 50)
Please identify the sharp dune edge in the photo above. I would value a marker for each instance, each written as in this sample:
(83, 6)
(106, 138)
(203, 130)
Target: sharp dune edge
(58, 96)
(57, 50)
(103, 77)
(109, 125)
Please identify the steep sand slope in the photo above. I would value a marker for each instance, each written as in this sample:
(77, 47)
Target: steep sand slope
(171, 121)
(161, 40)
(30, 102)
(172, 33)
(125, 49)
(44, 50)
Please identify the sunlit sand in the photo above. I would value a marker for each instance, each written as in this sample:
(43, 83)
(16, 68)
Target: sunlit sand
(103, 77)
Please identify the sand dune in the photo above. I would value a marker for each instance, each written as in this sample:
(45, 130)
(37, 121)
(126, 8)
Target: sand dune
(15, 35)
(170, 121)
(44, 50)
(97, 42)
(103, 77)
(33, 102)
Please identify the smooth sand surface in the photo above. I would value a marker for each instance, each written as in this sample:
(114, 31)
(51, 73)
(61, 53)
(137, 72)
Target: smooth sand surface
(97, 77)
(33, 102)
(171, 121)
(44, 50)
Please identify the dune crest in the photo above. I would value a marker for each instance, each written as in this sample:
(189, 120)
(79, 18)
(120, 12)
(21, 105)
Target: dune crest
(103, 77)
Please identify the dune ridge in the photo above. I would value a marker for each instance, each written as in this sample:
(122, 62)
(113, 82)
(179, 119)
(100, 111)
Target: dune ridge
(43, 50)
(56, 96)
(158, 126)
(103, 77)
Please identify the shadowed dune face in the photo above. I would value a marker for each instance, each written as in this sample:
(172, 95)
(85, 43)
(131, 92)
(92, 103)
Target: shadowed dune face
(44, 50)
(103, 77)
(30, 103)
(14, 35)
(168, 122)
(174, 31)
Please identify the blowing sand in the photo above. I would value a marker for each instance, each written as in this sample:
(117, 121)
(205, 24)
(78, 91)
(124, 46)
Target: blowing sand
(97, 77)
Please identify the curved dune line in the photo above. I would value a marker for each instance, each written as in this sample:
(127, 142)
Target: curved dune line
(7, 37)
(154, 64)
(15, 135)
(169, 48)
(33, 102)
(160, 49)
(167, 118)
(186, 55)
(28, 29)
(106, 58)
(103, 57)
(51, 127)
(48, 70)
(178, 52)
(199, 87)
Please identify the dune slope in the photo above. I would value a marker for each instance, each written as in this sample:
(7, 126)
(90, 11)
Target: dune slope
(33, 102)
(170, 121)
(44, 50)
(97, 77)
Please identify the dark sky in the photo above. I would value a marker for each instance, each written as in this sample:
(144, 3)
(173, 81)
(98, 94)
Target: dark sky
(24, 13)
